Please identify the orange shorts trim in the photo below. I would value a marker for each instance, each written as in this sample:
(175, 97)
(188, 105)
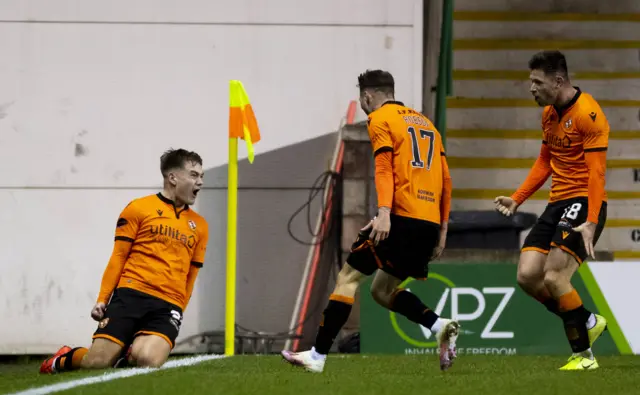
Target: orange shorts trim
(535, 249)
(108, 337)
(373, 251)
(568, 251)
(156, 334)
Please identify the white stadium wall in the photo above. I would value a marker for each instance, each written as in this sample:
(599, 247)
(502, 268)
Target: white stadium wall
(92, 92)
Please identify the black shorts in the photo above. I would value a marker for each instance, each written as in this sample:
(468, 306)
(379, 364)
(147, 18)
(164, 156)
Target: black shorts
(554, 228)
(404, 253)
(131, 313)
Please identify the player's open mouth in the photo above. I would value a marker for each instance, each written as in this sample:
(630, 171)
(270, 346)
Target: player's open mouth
(195, 192)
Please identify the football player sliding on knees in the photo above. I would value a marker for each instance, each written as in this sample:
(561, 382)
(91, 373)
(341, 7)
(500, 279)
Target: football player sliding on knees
(414, 198)
(160, 243)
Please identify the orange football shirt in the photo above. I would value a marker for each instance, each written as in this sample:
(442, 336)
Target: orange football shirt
(581, 127)
(417, 149)
(165, 243)
(573, 152)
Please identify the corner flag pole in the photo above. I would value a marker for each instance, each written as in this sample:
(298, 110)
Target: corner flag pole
(242, 124)
(232, 222)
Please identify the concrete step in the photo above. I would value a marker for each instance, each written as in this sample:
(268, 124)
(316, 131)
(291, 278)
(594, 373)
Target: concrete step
(617, 179)
(576, 6)
(531, 16)
(551, 30)
(536, 44)
(618, 236)
(614, 89)
(514, 102)
(516, 148)
(628, 255)
(527, 118)
(616, 209)
(524, 134)
(460, 192)
(577, 59)
(498, 162)
(523, 75)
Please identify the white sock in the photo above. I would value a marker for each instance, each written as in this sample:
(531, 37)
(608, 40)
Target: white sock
(316, 355)
(591, 322)
(588, 354)
(437, 326)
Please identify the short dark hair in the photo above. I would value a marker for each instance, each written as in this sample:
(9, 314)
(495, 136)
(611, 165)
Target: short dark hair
(551, 62)
(176, 158)
(378, 80)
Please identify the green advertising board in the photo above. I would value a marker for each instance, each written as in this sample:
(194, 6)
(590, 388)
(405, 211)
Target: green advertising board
(496, 316)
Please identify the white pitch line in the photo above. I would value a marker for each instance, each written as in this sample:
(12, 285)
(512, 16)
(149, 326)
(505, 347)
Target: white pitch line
(175, 363)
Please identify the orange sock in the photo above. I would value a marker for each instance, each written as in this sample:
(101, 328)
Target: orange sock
(76, 357)
(71, 360)
(569, 301)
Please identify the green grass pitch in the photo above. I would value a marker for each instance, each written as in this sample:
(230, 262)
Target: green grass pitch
(353, 374)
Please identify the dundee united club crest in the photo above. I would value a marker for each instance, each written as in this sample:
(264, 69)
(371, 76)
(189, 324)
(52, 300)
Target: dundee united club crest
(103, 323)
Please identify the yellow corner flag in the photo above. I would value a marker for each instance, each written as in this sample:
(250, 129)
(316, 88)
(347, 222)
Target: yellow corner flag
(243, 125)
(242, 120)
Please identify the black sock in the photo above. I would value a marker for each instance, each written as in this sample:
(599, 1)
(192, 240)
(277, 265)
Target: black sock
(333, 319)
(552, 306)
(544, 297)
(412, 307)
(575, 326)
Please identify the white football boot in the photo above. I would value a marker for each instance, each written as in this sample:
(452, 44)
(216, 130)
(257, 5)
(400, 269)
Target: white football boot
(309, 360)
(447, 337)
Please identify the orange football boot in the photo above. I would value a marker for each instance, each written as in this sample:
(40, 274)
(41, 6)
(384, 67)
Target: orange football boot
(47, 366)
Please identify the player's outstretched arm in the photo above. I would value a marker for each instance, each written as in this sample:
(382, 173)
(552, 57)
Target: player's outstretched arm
(597, 165)
(126, 231)
(111, 276)
(191, 282)
(384, 189)
(196, 263)
(538, 175)
(382, 144)
(595, 131)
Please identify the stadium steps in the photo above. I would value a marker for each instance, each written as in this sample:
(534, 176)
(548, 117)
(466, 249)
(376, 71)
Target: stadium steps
(493, 124)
